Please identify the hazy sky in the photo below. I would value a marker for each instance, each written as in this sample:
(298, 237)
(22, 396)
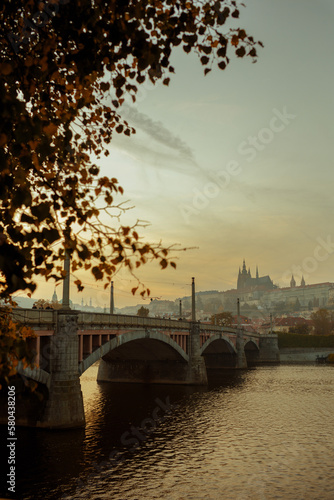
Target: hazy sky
(238, 163)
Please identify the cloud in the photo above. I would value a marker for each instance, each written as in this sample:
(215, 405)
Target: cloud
(281, 197)
(157, 131)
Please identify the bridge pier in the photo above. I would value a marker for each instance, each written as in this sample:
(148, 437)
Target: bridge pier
(197, 374)
(269, 351)
(241, 356)
(64, 407)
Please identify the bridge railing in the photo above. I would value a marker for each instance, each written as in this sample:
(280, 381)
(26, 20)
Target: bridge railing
(33, 317)
(47, 318)
(122, 320)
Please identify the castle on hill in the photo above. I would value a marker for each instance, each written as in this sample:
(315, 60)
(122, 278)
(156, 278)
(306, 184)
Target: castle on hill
(262, 292)
(246, 282)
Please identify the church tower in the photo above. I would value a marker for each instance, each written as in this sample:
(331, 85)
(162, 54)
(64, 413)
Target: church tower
(54, 296)
(292, 282)
(244, 277)
(258, 283)
(302, 283)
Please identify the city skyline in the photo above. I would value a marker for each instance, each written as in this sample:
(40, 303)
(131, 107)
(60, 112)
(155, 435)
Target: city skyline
(95, 294)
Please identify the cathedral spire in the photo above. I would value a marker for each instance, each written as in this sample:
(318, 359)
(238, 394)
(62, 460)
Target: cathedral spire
(257, 273)
(54, 296)
(302, 283)
(292, 282)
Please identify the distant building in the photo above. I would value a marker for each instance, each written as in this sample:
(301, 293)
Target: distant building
(308, 296)
(246, 282)
(284, 324)
(260, 292)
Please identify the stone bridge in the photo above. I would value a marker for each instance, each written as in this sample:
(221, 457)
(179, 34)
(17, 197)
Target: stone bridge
(131, 349)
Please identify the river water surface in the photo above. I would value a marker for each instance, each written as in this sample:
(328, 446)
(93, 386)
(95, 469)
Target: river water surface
(260, 434)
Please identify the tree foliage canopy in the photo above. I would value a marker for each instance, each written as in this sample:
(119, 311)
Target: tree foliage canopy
(143, 312)
(303, 329)
(222, 319)
(13, 346)
(323, 322)
(59, 62)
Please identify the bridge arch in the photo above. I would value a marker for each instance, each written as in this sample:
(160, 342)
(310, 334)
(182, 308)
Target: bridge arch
(218, 338)
(251, 344)
(136, 346)
(252, 352)
(219, 352)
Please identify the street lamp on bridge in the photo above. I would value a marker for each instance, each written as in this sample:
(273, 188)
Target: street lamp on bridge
(66, 282)
(111, 297)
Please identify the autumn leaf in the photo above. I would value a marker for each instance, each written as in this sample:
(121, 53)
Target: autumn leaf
(241, 51)
(6, 68)
(3, 139)
(163, 263)
(235, 40)
(50, 129)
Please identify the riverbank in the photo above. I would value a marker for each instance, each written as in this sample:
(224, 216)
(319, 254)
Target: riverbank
(303, 355)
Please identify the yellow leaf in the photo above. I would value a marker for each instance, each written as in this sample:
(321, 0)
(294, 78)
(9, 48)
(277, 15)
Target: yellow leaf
(235, 40)
(35, 161)
(33, 144)
(3, 139)
(50, 129)
(6, 68)
(29, 61)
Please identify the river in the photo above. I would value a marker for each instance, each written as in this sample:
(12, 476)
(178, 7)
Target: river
(259, 434)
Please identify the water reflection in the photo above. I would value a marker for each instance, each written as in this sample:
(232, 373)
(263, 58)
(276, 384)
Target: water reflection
(257, 434)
